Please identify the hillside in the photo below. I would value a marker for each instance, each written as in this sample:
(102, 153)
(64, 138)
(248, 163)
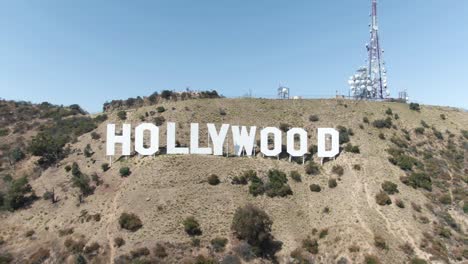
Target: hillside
(71, 213)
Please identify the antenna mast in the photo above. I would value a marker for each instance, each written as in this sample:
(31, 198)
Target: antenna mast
(370, 82)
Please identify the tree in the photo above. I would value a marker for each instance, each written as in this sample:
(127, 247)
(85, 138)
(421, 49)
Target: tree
(253, 225)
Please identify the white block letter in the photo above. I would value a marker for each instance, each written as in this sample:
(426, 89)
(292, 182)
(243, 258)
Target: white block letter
(335, 145)
(171, 141)
(154, 139)
(264, 141)
(112, 139)
(218, 139)
(302, 141)
(243, 139)
(194, 148)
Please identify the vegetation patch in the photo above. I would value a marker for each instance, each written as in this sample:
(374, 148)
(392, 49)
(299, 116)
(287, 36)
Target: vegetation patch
(130, 222)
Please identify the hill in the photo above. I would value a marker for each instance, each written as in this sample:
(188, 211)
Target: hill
(397, 193)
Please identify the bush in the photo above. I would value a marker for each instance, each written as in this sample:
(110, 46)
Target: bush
(160, 251)
(310, 245)
(88, 152)
(254, 226)
(418, 180)
(365, 120)
(241, 180)
(312, 168)
(130, 222)
(68, 168)
(284, 127)
(344, 134)
(19, 194)
(399, 203)
(443, 117)
(95, 135)
(382, 136)
(125, 171)
(105, 167)
(465, 133)
(160, 109)
(296, 176)
(313, 118)
(424, 124)
(383, 123)
(437, 134)
(389, 111)
(139, 252)
(338, 170)
(277, 184)
(213, 179)
(396, 116)
(414, 107)
(4, 132)
(370, 259)
(383, 199)
(332, 183)
(118, 241)
(445, 199)
(256, 186)
(390, 187)
(419, 130)
(191, 226)
(357, 167)
(352, 149)
(159, 120)
(323, 233)
(418, 261)
(122, 115)
(380, 242)
(166, 94)
(315, 188)
(219, 243)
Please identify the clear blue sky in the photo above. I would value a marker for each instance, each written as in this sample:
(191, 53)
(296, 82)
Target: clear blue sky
(89, 51)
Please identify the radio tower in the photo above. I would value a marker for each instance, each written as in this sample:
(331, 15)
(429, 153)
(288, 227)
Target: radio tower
(370, 81)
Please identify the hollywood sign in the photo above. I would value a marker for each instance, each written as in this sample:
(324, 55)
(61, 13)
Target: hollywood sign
(243, 140)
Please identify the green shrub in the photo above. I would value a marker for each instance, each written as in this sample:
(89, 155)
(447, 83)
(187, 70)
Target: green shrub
(310, 245)
(380, 242)
(424, 124)
(213, 179)
(139, 252)
(357, 167)
(389, 111)
(254, 226)
(465, 133)
(365, 120)
(160, 109)
(370, 259)
(296, 176)
(338, 170)
(95, 135)
(313, 149)
(383, 123)
(313, 118)
(414, 107)
(130, 222)
(344, 134)
(17, 154)
(465, 207)
(256, 186)
(241, 180)
(312, 168)
(418, 261)
(382, 136)
(352, 149)
(105, 167)
(418, 180)
(396, 116)
(419, 130)
(383, 199)
(443, 117)
(445, 199)
(315, 188)
(332, 183)
(19, 194)
(437, 134)
(68, 168)
(88, 152)
(166, 94)
(399, 203)
(159, 120)
(4, 132)
(125, 171)
(284, 127)
(219, 243)
(390, 187)
(122, 115)
(160, 251)
(323, 233)
(277, 185)
(191, 226)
